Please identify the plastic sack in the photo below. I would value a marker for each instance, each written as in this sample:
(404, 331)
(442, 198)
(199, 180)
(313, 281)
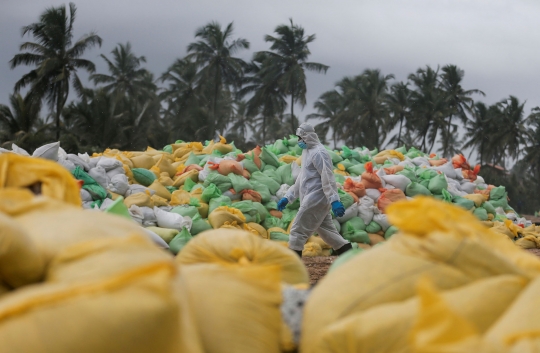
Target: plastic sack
(48, 151)
(397, 181)
(350, 212)
(171, 220)
(388, 197)
(415, 189)
(366, 209)
(180, 241)
(369, 178)
(437, 184)
(355, 187)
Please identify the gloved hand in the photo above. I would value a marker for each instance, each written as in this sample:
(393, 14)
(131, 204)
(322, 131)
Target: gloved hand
(337, 208)
(282, 203)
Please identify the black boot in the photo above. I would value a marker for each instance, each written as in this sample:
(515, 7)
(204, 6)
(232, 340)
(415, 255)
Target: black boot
(298, 252)
(342, 250)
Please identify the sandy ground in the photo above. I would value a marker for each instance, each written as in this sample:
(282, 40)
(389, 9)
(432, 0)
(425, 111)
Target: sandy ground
(318, 266)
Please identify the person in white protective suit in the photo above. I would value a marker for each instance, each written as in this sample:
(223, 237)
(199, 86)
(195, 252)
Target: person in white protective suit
(316, 187)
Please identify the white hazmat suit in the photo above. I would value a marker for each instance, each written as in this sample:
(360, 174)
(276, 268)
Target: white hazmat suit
(316, 187)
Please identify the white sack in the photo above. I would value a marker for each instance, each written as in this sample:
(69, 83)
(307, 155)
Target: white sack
(172, 220)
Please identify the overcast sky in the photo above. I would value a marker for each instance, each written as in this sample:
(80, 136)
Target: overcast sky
(496, 42)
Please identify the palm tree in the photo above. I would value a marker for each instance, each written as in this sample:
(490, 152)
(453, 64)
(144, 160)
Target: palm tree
(330, 107)
(219, 70)
(513, 135)
(22, 117)
(459, 101)
(127, 79)
(288, 55)
(398, 101)
(267, 102)
(532, 150)
(55, 58)
(429, 106)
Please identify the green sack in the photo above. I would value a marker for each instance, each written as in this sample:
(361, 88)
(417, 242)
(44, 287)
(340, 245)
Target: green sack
(424, 183)
(250, 166)
(292, 141)
(172, 188)
(271, 222)
(481, 213)
(168, 149)
(263, 212)
(346, 199)
(97, 203)
(272, 185)
(90, 185)
(438, 184)
(497, 193)
(489, 207)
(239, 183)
(189, 184)
(284, 173)
(446, 196)
(192, 159)
(217, 202)
(426, 174)
(354, 235)
(390, 231)
(414, 189)
(409, 174)
(402, 150)
(187, 210)
(193, 201)
(357, 170)
(502, 202)
(278, 236)
(281, 147)
(269, 158)
(344, 258)
(179, 241)
(143, 176)
(373, 227)
(357, 223)
(221, 181)
(204, 159)
(288, 217)
(249, 211)
(199, 226)
(262, 189)
(413, 153)
(336, 158)
(294, 205)
(463, 202)
(269, 167)
(210, 192)
(273, 174)
(271, 205)
(339, 178)
(500, 218)
(346, 164)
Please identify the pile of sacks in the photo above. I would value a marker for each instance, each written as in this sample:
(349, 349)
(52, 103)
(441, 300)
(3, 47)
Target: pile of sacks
(444, 283)
(187, 188)
(74, 283)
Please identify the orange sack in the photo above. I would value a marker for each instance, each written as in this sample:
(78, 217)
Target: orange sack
(354, 187)
(388, 197)
(226, 167)
(459, 161)
(393, 169)
(369, 178)
(437, 162)
(472, 175)
(276, 213)
(251, 195)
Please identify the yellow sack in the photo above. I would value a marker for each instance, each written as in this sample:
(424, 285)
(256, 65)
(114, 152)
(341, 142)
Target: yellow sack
(382, 156)
(208, 149)
(223, 214)
(231, 225)
(287, 159)
(501, 228)
(153, 152)
(438, 240)
(110, 153)
(528, 242)
(143, 161)
(180, 197)
(260, 229)
(478, 199)
(164, 164)
(387, 328)
(530, 230)
(129, 174)
(165, 180)
(277, 229)
(166, 234)
(160, 190)
(53, 225)
(197, 193)
(159, 201)
(125, 161)
(20, 261)
(104, 286)
(155, 170)
(55, 181)
(236, 308)
(318, 240)
(312, 249)
(203, 209)
(519, 325)
(181, 179)
(140, 199)
(241, 248)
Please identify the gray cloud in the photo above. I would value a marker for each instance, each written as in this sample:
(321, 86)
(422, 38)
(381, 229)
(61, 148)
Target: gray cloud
(494, 41)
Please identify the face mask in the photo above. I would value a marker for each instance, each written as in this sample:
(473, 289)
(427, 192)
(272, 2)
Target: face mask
(302, 145)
